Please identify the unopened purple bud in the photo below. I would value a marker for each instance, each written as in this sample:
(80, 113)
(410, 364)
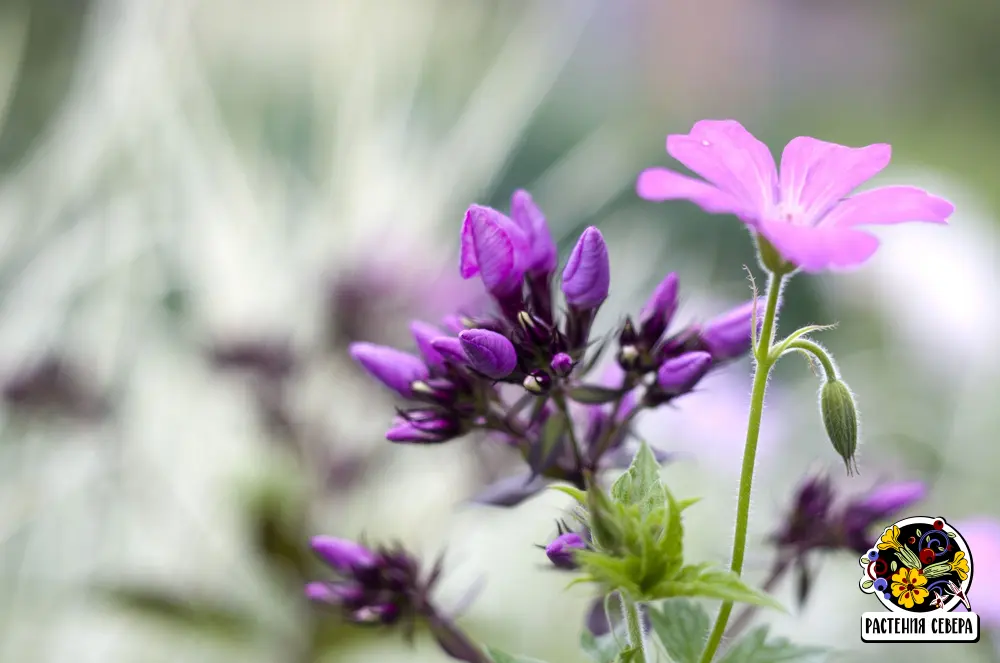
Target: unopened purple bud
(428, 427)
(423, 334)
(450, 348)
(892, 498)
(586, 278)
(728, 336)
(334, 593)
(560, 552)
(490, 353)
(343, 555)
(494, 247)
(681, 373)
(660, 309)
(562, 364)
(393, 368)
(542, 253)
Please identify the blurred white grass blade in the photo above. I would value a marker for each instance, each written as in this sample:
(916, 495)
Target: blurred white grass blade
(587, 178)
(13, 32)
(485, 136)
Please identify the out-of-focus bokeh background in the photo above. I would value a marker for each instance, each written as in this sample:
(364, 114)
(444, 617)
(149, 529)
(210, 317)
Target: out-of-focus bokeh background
(203, 202)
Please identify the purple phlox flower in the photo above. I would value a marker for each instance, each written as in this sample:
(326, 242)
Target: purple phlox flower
(542, 255)
(806, 212)
(681, 373)
(561, 550)
(343, 555)
(490, 353)
(586, 278)
(982, 536)
(561, 364)
(728, 335)
(395, 369)
(495, 248)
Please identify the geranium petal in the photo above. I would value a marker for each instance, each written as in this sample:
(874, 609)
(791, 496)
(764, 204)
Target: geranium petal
(818, 249)
(728, 156)
(659, 184)
(816, 174)
(889, 205)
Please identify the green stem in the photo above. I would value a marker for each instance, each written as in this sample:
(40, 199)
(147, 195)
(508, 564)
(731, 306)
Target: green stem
(817, 351)
(762, 370)
(633, 623)
(560, 401)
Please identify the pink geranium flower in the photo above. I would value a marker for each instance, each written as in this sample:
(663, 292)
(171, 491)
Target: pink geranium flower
(804, 211)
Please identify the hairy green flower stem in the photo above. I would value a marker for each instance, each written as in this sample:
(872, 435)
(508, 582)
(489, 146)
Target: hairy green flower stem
(763, 364)
(633, 625)
(817, 351)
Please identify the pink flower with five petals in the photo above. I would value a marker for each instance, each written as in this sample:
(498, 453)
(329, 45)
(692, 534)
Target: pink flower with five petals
(805, 210)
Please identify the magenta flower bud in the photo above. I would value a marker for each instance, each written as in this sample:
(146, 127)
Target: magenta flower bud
(562, 364)
(423, 334)
(586, 278)
(323, 592)
(560, 552)
(728, 336)
(450, 348)
(679, 374)
(659, 310)
(542, 256)
(494, 247)
(343, 555)
(393, 368)
(490, 353)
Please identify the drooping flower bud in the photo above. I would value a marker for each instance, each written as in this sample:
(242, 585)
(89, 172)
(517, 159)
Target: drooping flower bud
(490, 353)
(659, 310)
(586, 278)
(560, 552)
(728, 336)
(343, 555)
(494, 247)
(393, 368)
(562, 364)
(840, 417)
(542, 255)
(679, 374)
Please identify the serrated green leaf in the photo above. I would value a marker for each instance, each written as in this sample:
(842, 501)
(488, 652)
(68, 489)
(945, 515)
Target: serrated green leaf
(689, 502)
(184, 612)
(672, 546)
(756, 647)
(611, 572)
(717, 584)
(603, 517)
(589, 394)
(574, 492)
(682, 628)
(641, 484)
(603, 649)
(503, 657)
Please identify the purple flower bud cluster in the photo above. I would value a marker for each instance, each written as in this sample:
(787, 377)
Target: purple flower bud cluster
(482, 373)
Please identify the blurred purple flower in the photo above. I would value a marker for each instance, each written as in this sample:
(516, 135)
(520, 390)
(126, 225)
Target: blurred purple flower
(728, 335)
(53, 386)
(681, 373)
(807, 212)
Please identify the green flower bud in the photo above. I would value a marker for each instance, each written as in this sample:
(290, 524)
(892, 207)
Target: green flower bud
(840, 417)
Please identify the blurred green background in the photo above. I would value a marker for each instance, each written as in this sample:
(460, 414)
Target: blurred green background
(203, 202)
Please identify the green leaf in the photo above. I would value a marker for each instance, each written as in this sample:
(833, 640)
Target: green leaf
(641, 483)
(717, 584)
(590, 394)
(672, 544)
(689, 502)
(867, 584)
(756, 647)
(682, 628)
(603, 649)
(184, 612)
(893, 565)
(502, 657)
(574, 492)
(552, 431)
